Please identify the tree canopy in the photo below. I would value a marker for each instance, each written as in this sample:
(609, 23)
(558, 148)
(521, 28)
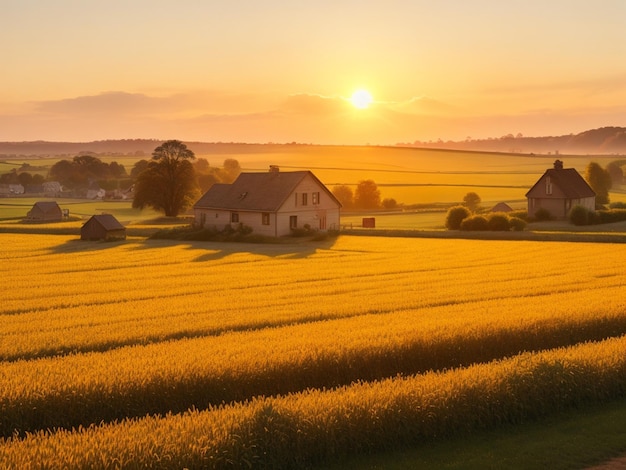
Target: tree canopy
(472, 201)
(168, 182)
(600, 181)
(344, 195)
(78, 172)
(367, 195)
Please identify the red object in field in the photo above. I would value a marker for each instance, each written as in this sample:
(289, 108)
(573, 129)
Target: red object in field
(369, 222)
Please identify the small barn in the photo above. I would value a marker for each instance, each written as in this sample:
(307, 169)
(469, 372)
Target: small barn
(45, 211)
(103, 227)
(273, 203)
(558, 190)
(501, 207)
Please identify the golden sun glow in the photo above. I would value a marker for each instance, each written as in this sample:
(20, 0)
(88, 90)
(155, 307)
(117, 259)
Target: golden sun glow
(361, 99)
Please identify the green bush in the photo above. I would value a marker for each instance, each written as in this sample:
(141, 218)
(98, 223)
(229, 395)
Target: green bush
(474, 223)
(579, 215)
(521, 214)
(543, 215)
(611, 215)
(455, 216)
(498, 222)
(517, 224)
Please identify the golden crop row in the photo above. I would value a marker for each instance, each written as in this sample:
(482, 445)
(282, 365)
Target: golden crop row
(314, 426)
(79, 389)
(72, 296)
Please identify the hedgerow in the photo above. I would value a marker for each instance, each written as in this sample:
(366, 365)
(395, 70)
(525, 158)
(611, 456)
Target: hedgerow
(580, 215)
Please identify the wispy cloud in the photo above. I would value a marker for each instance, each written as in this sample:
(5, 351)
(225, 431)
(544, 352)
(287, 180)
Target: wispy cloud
(304, 117)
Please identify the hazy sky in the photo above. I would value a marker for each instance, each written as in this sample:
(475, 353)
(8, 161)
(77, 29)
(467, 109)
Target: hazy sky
(282, 71)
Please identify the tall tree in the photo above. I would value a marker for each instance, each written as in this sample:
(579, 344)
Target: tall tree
(367, 195)
(600, 181)
(344, 195)
(168, 184)
(472, 201)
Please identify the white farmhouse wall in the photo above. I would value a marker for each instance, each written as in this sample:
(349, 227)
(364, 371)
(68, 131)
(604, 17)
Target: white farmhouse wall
(317, 209)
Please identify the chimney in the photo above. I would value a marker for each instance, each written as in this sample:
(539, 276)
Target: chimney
(558, 165)
(274, 169)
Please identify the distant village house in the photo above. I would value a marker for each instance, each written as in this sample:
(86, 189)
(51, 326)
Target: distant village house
(558, 191)
(103, 227)
(272, 203)
(52, 188)
(45, 211)
(11, 189)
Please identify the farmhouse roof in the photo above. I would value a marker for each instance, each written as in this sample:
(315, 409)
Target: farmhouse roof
(568, 180)
(107, 221)
(256, 191)
(47, 207)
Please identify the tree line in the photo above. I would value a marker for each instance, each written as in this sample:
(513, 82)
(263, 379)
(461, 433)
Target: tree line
(169, 182)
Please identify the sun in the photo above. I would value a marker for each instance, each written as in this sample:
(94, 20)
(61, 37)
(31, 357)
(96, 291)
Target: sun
(361, 99)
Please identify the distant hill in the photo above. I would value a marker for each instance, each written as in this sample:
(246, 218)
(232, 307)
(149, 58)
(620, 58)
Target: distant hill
(138, 147)
(602, 141)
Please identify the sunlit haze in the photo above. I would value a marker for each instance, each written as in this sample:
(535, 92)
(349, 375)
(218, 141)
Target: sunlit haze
(279, 71)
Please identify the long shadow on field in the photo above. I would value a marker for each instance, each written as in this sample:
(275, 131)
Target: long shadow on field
(77, 245)
(288, 249)
(284, 251)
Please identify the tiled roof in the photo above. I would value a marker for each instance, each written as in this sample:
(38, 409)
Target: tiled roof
(569, 181)
(254, 191)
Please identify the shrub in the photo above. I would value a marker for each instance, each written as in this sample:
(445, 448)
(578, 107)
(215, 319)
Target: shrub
(455, 216)
(517, 224)
(617, 205)
(303, 231)
(498, 222)
(521, 214)
(542, 215)
(610, 216)
(579, 215)
(474, 223)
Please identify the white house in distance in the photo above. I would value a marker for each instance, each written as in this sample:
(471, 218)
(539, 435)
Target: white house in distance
(271, 203)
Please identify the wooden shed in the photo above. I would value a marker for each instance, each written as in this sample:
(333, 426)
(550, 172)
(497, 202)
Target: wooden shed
(103, 227)
(45, 211)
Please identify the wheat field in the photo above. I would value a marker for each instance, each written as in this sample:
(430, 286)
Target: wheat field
(162, 354)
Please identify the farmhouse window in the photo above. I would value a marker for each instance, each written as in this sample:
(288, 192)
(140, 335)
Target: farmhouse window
(293, 221)
(234, 217)
(548, 185)
(315, 198)
(265, 218)
(304, 199)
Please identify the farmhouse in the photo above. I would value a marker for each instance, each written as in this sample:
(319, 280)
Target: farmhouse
(45, 211)
(272, 203)
(558, 190)
(102, 227)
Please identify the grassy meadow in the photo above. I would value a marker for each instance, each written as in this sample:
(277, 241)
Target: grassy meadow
(163, 354)
(409, 175)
